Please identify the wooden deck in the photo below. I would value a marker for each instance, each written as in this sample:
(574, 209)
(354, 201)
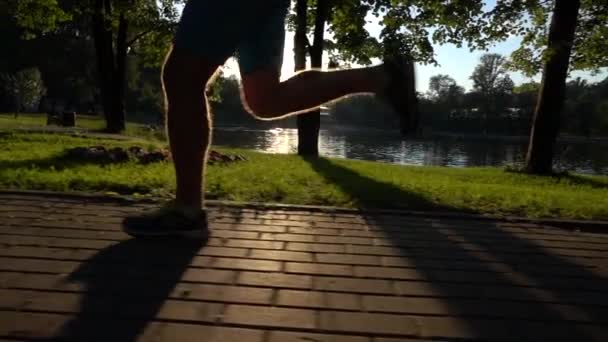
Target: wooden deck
(67, 271)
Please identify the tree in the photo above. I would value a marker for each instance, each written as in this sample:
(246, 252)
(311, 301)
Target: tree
(490, 78)
(439, 86)
(445, 96)
(405, 25)
(545, 127)
(309, 124)
(408, 30)
(524, 98)
(117, 27)
(443, 88)
(573, 40)
(25, 88)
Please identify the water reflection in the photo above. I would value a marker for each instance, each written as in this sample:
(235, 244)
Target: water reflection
(389, 147)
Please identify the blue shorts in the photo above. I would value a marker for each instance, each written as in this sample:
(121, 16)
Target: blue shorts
(252, 31)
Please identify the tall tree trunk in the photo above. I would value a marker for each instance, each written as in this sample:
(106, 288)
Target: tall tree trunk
(300, 35)
(545, 127)
(111, 68)
(309, 124)
(306, 146)
(104, 58)
(120, 77)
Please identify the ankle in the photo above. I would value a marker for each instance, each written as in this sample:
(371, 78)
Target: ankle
(190, 211)
(191, 206)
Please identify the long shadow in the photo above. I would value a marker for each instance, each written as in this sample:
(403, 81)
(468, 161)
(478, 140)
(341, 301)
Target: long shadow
(58, 162)
(126, 285)
(61, 162)
(576, 179)
(496, 304)
(587, 181)
(371, 193)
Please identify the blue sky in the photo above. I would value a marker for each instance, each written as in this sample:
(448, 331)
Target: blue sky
(459, 63)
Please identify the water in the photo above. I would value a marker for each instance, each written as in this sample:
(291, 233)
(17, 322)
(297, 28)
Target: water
(377, 145)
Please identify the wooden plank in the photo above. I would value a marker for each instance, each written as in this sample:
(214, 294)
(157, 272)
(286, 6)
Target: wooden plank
(108, 265)
(26, 325)
(424, 235)
(443, 259)
(439, 300)
(262, 317)
(472, 264)
(450, 328)
(438, 243)
(483, 228)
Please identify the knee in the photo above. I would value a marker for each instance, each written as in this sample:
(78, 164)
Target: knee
(260, 94)
(185, 74)
(260, 104)
(170, 73)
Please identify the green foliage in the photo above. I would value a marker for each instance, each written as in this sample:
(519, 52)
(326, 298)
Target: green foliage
(40, 16)
(351, 42)
(444, 87)
(25, 88)
(527, 87)
(215, 91)
(530, 20)
(585, 108)
(65, 27)
(490, 75)
(409, 27)
(412, 25)
(491, 80)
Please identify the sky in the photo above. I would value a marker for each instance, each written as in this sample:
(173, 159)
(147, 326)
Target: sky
(458, 63)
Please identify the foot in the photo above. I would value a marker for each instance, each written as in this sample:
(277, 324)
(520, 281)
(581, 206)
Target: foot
(400, 93)
(168, 221)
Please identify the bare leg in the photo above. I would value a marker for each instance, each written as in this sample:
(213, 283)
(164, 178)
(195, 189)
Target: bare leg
(268, 99)
(188, 123)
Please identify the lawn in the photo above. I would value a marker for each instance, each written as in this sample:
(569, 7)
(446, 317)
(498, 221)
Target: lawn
(37, 161)
(87, 122)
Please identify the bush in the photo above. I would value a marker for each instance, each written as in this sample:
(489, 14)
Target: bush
(24, 89)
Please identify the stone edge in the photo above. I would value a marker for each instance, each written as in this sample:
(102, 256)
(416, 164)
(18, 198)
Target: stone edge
(575, 225)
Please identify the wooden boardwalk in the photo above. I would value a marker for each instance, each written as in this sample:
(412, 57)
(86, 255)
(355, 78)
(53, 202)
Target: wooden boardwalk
(68, 272)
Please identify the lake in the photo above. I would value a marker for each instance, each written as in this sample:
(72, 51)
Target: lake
(388, 146)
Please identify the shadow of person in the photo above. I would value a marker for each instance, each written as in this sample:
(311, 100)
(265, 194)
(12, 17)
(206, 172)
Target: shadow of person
(499, 285)
(125, 286)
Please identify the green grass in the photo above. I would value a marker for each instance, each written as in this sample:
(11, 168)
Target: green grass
(90, 123)
(27, 120)
(34, 161)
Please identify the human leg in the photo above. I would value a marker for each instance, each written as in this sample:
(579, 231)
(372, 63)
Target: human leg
(265, 97)
(188, 68)
(268, 99)
(184, 78)
(188, 122)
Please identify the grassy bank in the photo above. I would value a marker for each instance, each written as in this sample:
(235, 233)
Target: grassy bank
(88, 123)
(36, 161)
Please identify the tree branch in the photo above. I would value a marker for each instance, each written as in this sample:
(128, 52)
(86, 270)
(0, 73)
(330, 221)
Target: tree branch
(137, 37)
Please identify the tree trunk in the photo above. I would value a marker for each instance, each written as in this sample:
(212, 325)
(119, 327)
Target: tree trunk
(300, 35)
(305, 147)
(545, 127)
(112, 70)
(104, 56)
(120, 77)
(309, 124)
